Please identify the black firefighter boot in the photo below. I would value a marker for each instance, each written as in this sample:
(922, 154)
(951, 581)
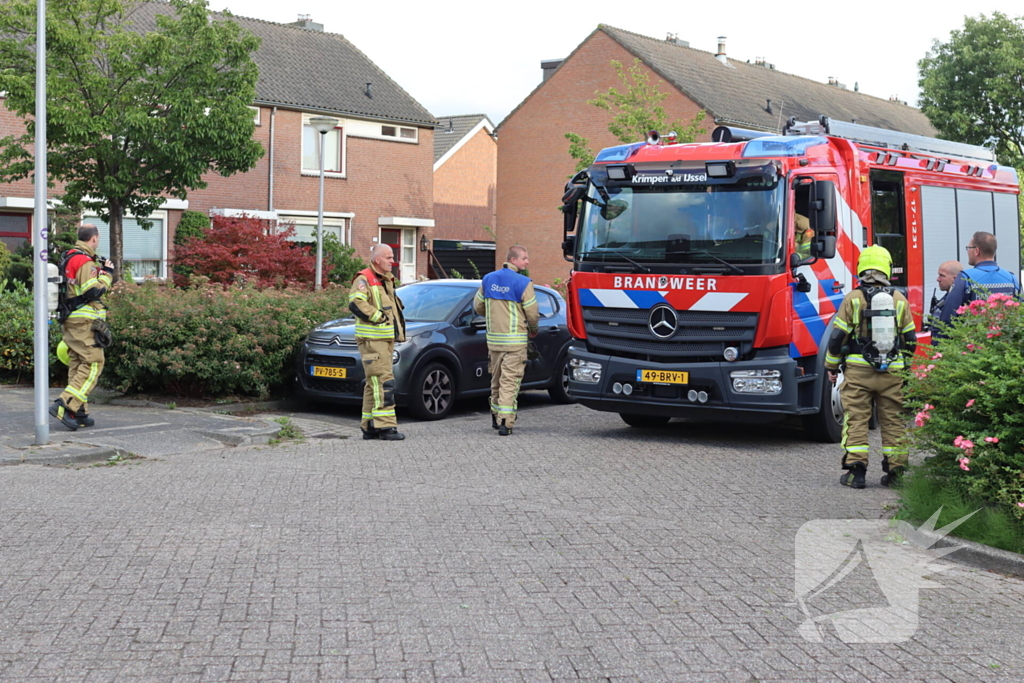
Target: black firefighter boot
(372, 432)
(494, 421)
(854, 477)
(391, 434)
(60, 410)
(83, 419)
(503, 430)
(893, 474)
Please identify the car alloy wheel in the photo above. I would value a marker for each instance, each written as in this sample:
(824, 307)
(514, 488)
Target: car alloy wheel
(435, 392)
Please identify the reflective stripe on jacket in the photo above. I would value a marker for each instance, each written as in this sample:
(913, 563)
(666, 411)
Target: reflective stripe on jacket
(506, 298)
(376, 307)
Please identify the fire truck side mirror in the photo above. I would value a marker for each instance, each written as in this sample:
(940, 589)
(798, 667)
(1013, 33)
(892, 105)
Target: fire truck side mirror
(823, 218)
(569, 246)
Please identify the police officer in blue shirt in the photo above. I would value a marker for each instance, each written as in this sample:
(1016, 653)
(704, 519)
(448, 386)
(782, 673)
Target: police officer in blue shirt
(982, 279)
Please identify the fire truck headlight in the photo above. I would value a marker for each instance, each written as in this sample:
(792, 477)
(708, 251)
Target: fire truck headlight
(756, 381)
(585, 370)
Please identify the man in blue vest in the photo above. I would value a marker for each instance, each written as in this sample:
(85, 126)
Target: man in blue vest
(983, 278)
(506, 298)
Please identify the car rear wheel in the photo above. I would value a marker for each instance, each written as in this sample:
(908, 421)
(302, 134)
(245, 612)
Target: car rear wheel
(650, 421)
(559, 389)
(433, 392)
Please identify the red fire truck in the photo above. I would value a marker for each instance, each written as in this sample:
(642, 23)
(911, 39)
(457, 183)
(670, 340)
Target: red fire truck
(705, 275)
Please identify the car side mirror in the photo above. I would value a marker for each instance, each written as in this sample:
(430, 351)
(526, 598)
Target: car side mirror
(478, 323)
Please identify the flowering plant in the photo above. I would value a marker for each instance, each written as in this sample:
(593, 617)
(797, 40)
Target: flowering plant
(968, 393)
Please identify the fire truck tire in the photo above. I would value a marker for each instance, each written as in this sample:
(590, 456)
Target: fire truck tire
(827, 425)
(649, 421)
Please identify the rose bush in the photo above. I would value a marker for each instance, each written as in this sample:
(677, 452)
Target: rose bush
(968, 394)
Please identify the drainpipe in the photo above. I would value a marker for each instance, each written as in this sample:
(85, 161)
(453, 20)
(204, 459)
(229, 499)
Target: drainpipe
(270, 162)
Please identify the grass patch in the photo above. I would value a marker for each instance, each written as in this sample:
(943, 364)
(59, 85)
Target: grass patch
(923, 492)
(288, 429)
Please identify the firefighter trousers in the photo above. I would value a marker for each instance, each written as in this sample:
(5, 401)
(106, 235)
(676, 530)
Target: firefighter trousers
(507, 369)
(85, 363)
(861, 386)
(379, 390)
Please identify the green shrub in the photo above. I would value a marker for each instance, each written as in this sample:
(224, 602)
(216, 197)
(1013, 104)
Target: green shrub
(17, 355)
(211, 340)
(192, 224)
(5, 260)
(969, 394)
(341, 258)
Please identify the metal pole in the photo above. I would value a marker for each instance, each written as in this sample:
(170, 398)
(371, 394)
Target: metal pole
(320, 219)
(40, 240)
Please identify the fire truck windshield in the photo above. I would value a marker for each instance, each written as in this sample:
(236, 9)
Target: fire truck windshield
(684, 224)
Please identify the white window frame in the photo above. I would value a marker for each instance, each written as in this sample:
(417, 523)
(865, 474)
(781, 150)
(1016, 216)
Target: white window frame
(256, 115)
(160, 215)
(304, 218)
(398, 134)
(343, 152)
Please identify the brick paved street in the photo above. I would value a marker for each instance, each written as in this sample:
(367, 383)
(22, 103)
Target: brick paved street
(578, 549)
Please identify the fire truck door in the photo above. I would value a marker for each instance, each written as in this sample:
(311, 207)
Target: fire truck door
(888, 221)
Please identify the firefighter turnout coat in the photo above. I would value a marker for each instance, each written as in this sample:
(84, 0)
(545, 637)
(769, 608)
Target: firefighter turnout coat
(507, 300)
(379, 324)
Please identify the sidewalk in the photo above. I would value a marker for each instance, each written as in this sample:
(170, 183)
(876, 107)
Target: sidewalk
(123, 427)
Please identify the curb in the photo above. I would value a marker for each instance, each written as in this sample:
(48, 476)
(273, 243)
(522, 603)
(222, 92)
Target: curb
(251, 406)
(91, 456)
(978, 555)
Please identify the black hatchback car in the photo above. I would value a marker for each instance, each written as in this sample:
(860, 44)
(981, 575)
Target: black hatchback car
(444, 358)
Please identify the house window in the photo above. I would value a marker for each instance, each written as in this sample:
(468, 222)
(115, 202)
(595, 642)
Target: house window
(143, 250)
(15, 229)
(398, 132)
(255, 115)
(305, 228)
(333, 150)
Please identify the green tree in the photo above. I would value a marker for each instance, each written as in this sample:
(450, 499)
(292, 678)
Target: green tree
(135, 113)
(636, 111)
(972, 86)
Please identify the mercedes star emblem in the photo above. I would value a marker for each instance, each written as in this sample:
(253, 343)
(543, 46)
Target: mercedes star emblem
(663, 321)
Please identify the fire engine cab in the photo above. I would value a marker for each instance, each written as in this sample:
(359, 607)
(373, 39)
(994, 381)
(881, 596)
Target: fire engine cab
(706, 275)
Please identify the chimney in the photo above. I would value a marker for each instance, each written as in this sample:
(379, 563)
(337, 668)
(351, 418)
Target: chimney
(306, 21)
(369, 90)
(548, 67)
(676, 40)
(721, 51)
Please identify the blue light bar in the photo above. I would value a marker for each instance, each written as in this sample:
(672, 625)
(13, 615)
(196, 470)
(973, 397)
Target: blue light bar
(779, 146)
(620, 153)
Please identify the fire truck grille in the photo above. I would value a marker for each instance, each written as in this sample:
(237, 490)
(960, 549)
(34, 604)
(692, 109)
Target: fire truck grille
(700, 335)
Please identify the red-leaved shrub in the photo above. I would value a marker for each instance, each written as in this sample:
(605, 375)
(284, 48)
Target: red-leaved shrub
(238, 250)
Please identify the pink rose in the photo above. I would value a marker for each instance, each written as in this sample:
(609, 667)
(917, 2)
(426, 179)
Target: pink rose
(970, 403)
(963, 464)
(992, 439)
(1020, 505)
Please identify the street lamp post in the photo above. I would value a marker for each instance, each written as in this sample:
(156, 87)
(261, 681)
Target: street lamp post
(323, 125)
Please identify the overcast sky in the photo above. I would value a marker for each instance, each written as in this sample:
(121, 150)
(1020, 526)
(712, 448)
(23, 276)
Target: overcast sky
(458, 57)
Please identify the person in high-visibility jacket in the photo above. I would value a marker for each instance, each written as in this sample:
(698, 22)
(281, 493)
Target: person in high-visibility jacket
(506, 298)
(87, 282)
(872, 337)
(379, 324)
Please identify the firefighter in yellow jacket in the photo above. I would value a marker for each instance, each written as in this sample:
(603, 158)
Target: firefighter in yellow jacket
(872, 338)
(379, 324)
(83, 319)
(506, 297)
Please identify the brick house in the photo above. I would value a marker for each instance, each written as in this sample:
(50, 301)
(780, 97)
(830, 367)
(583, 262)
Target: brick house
(465, 179)
(379, 160)
(533, 159)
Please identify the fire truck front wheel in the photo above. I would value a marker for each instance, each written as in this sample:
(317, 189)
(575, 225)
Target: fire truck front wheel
(634, 420)
(827, 425)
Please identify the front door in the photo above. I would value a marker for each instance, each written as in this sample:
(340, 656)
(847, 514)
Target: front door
(403, 242)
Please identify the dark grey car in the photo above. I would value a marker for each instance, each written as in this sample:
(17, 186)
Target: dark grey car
(444, 357)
